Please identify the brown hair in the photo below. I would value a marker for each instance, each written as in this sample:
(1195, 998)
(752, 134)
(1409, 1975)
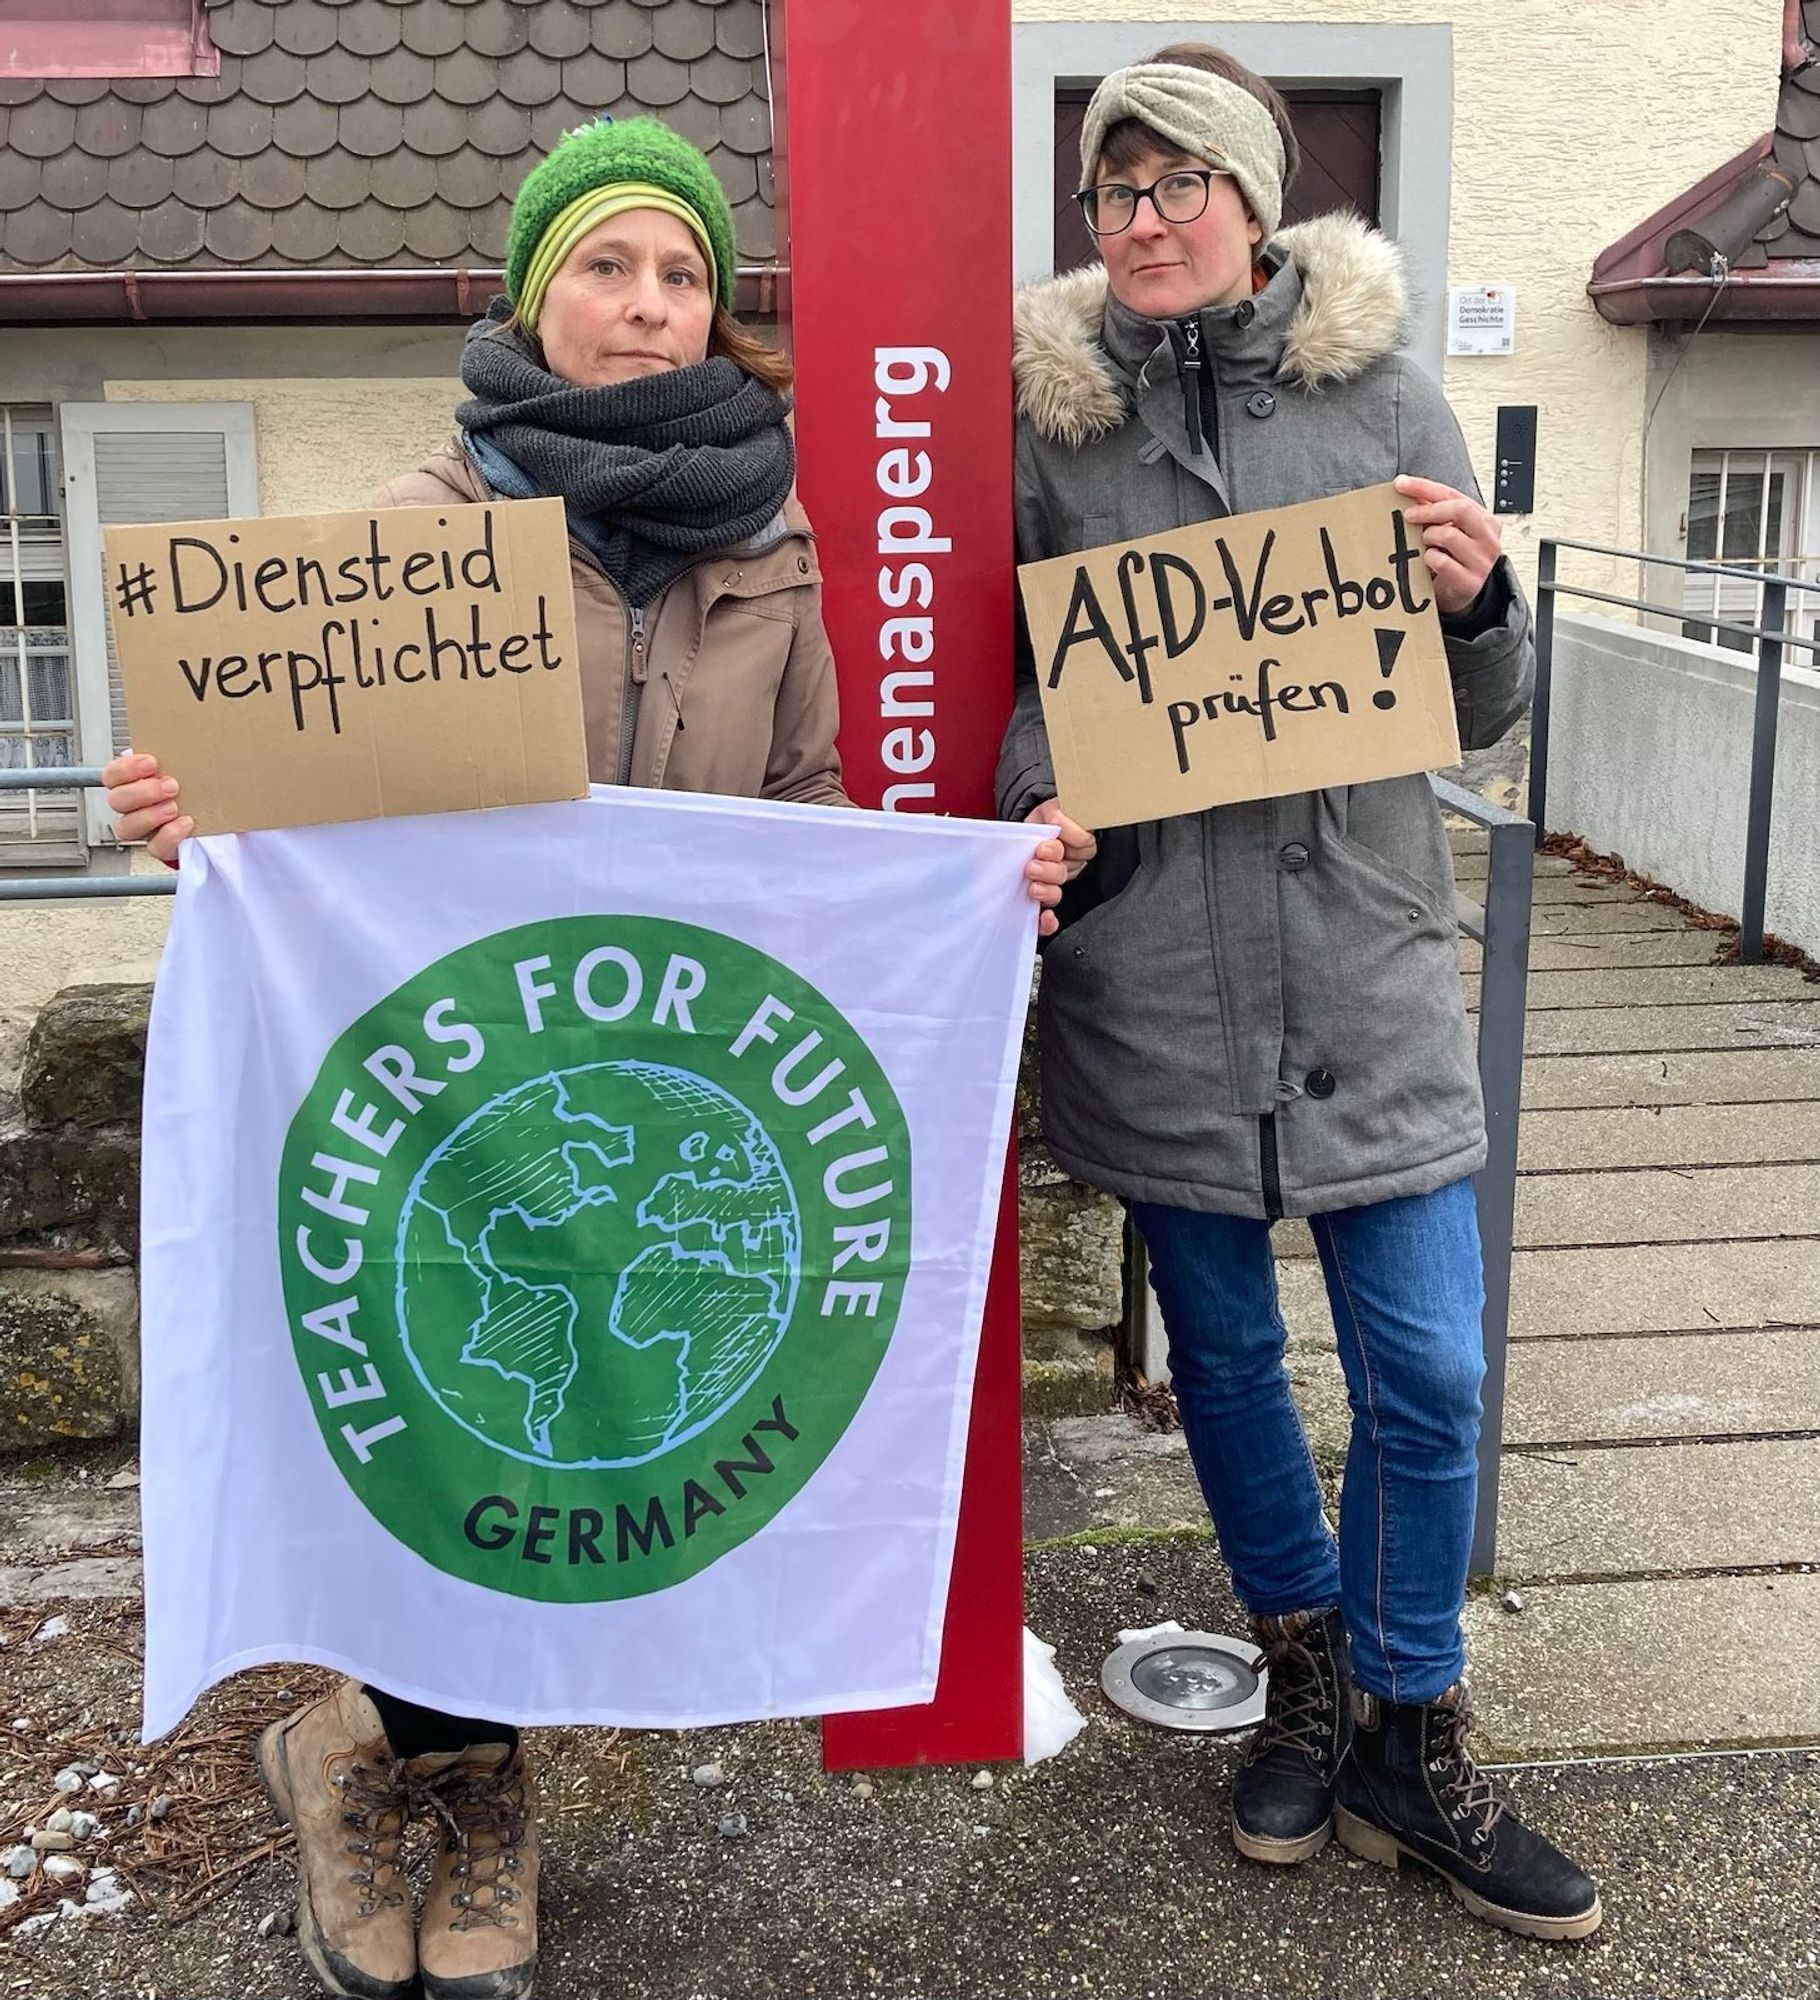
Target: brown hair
(771, 365)
(1131, 138)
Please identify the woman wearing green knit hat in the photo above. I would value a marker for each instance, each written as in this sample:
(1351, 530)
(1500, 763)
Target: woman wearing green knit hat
(612, 375)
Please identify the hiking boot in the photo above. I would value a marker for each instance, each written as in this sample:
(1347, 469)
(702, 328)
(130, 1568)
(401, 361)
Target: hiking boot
(1282, 1799)
(478, 1937)
(333, 1779)
(1408, 1787)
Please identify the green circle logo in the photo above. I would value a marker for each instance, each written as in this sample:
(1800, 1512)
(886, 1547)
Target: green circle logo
(593, 1237)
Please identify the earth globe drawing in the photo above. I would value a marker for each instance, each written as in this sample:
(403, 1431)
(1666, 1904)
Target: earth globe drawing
(596, 1264)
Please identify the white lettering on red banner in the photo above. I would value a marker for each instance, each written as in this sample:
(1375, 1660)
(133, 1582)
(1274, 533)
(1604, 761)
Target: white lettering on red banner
(904, 378)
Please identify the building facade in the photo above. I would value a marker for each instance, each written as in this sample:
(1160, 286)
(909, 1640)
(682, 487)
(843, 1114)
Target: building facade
(240, 241)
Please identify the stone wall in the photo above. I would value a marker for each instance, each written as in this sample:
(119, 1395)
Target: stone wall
(69, 1221)
(69, 1233)
(1071, 1239)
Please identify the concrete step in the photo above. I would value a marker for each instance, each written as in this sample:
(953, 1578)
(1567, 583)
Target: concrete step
(1697, 1661)
(1625, 914)
(1473, 867)
(1607, 951)
(1663, 1205)
(1664, 1288)
(1088, 1473)
(1686, 1385)
(1649, 1288)
(1753, 1076)
(1676, 1135)
(73, 1582)
(1722, 1025)
(1660, 986)
(1645, 1205)
(42, 1521)
(1670, 1507)
(1571, 889)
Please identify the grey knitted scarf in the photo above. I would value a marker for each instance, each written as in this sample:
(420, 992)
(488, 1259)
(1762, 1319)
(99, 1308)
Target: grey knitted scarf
(655, 473)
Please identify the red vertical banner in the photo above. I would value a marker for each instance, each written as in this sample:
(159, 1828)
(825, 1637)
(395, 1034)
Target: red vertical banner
(893, 167)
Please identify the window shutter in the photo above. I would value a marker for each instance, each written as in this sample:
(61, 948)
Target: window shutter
(136, 462)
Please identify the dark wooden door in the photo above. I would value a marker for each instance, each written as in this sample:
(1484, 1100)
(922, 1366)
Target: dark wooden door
(1340, 133)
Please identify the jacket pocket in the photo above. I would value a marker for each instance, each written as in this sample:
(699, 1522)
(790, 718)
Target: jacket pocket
(1392, 831)
(1402, 883)
(1102, 882)
(744, 650)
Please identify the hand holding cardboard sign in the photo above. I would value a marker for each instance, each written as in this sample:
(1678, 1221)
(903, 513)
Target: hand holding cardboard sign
(1252, 656)
(1461, 540)
(143, 800)
(1075, 845)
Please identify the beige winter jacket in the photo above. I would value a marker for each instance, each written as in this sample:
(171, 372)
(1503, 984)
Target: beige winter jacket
(725, 684)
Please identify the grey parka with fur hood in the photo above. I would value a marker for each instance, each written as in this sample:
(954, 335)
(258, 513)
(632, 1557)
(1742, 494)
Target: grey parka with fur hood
(1254, 1010)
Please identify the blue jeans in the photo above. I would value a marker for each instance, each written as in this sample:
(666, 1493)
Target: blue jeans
(1406, 1285)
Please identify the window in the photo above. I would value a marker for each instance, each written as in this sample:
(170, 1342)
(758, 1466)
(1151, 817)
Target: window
(37, 717)
(1760, 511)
(136, 462)
(115, 38)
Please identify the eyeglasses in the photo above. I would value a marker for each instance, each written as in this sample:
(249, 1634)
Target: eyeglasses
(1179, 196)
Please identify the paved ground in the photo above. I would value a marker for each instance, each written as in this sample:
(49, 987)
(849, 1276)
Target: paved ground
(1660, 1512)
(1107, 1871)
(1660, 1532)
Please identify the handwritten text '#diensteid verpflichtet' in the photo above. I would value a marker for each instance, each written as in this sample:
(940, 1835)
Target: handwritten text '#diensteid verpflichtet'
(479, 634)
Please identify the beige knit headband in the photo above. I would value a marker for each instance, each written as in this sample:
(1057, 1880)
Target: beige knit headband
(1203, 114)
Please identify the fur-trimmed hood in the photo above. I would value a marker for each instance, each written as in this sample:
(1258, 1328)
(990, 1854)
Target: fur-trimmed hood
(1352, 310)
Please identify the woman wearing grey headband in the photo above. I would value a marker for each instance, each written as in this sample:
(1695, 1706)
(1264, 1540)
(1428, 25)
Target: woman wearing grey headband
(1255, 1012)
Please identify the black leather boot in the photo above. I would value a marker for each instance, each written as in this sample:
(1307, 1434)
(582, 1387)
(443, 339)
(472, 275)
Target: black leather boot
(1282, 1800)
(1407, 1786)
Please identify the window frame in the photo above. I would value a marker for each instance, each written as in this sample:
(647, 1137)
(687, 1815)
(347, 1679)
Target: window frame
(1801, 514)
(77, 426)
(40, 827)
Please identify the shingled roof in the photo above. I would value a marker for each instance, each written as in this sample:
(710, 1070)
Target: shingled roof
(1743, 245)
(363, 135)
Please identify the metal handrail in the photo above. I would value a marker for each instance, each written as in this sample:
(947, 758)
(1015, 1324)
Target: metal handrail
(1501, 925)
(1772, 638)
(1674, 562)
(73, 888)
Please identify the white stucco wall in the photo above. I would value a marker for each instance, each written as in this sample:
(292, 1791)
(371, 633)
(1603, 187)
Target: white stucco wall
(338, 410)
(1573, 120)
(322, 445)
(47, 946)
(1649, 757)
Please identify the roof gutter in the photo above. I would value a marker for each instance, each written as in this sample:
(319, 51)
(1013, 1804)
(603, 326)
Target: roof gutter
(1750, 298)
(39, 298)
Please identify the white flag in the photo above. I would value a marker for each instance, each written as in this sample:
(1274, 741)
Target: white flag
(566, 1232)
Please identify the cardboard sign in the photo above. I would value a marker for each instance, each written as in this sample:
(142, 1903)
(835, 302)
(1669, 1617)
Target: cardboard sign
(352, 666)
(1246, 658)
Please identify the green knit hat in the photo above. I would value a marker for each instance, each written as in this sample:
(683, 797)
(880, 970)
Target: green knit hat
(602, 155)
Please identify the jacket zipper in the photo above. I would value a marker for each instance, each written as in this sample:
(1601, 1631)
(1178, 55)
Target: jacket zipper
(634, 688)
(1191, 384)
(1267, 1165)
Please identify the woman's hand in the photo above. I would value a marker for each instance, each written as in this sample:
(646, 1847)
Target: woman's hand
(144, 804)
(1461, 542)
(1057, 862)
